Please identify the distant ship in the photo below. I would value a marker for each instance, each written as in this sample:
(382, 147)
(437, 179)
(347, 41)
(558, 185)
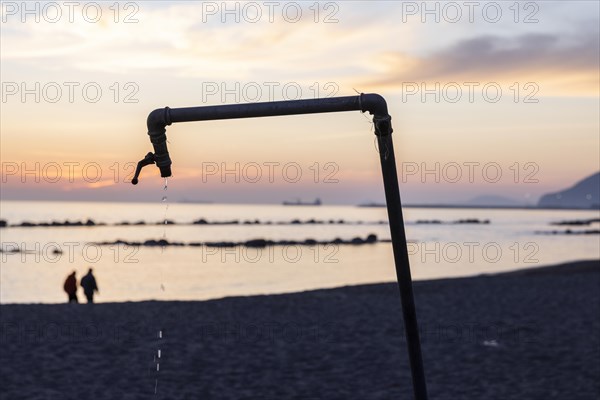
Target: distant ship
(372, 205)
(317, 202)
(193, 201)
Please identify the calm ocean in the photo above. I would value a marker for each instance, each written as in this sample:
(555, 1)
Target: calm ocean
(508, 242)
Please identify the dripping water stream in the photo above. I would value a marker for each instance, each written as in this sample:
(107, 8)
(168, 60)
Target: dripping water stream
(159, 336)
(165, 201)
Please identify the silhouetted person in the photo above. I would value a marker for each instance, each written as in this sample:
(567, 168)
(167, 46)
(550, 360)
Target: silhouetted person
(70, 287)
(88, 283)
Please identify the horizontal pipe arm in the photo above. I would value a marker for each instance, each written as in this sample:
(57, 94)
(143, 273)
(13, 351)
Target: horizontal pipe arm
(269, 109)
(373, 103)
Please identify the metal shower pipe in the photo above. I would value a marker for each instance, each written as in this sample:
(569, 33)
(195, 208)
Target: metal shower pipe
(376, 105)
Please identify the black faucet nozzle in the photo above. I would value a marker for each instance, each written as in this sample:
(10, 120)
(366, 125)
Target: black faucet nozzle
(165, 171)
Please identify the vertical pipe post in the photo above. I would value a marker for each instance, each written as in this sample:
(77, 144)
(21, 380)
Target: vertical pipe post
(400, 248)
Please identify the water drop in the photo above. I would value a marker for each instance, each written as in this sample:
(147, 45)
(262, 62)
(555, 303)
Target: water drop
(164, 198)
(157, 367)
(160, 334)
(158, 353)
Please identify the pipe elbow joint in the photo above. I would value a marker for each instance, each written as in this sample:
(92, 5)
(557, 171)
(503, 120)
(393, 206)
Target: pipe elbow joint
(374, 104)
(157, 123)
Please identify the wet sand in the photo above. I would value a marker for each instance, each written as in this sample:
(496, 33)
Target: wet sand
(531, 334)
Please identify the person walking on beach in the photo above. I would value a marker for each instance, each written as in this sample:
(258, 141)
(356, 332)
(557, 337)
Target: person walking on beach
(88, 283)
(70, 287)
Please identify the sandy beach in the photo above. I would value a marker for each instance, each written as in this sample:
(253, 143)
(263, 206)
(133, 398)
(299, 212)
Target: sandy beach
(531, 334)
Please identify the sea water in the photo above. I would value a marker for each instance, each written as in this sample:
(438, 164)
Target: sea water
(126, 273)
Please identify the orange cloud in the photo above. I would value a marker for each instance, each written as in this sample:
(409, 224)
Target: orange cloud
(558, 65)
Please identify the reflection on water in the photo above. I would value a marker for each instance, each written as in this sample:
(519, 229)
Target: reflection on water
(127, 273)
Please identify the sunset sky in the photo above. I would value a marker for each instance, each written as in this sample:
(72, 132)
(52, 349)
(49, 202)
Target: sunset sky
(541, 133)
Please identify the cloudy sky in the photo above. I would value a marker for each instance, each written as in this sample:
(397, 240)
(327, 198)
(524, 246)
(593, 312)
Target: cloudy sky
(487, 98)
